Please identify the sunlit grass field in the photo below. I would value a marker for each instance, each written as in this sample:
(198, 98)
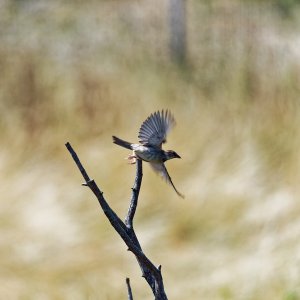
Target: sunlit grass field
(84, 71)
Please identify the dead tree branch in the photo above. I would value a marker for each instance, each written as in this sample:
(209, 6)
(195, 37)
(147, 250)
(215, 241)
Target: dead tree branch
(130, 297)
(125, 229)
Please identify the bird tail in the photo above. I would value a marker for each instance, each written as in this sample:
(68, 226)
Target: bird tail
(122, 143)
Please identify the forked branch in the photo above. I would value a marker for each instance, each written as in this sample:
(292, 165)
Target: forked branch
(150, 272)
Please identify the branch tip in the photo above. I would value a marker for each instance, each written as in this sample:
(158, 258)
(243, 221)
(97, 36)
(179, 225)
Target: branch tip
(134, 196)
(130, 297)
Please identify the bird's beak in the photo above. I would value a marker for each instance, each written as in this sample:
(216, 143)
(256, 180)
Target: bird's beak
(177, 156)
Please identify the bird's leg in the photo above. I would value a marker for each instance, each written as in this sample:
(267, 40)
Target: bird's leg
(131, 159)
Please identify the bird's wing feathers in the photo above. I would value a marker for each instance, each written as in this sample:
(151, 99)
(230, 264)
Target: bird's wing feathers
(161, 169)
(155, 128)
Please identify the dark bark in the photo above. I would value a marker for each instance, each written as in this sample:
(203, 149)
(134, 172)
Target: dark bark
(125, 229)
(130, 297)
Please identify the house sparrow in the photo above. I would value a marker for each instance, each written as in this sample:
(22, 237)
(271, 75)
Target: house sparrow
(152, 135)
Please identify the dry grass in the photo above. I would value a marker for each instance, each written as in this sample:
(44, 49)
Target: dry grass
(84, 71)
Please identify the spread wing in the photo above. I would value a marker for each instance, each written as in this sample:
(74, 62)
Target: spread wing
(161, 169)
(155, 128)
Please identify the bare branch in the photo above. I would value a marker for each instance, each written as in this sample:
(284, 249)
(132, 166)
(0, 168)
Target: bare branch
(150, 272)
(78, 163)
(135, 194)
(130, 297)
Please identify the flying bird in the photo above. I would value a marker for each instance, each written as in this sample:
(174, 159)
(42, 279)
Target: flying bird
(152, 134)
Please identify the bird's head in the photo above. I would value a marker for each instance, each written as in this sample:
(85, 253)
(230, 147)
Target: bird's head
(171, 154)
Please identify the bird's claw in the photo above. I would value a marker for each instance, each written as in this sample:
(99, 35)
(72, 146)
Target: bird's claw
(131, 159)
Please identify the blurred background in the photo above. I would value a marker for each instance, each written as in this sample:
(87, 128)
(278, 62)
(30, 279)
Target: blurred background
(82, 71)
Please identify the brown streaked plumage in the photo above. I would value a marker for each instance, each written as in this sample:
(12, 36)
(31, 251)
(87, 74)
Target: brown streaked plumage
(152, 134)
